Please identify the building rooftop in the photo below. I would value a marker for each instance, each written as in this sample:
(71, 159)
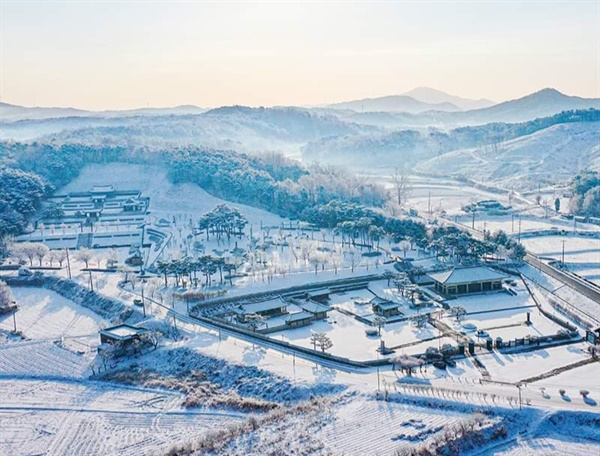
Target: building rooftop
(387, 305)
(123, 331)
(298, 316)
(314, 307)
(263, 306)
(456, 276)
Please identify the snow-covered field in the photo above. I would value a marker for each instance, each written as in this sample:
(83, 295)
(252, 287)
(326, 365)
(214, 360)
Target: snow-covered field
(370, 427)
(514, 367)
(581, 254)
(46, 315)
(554, 154)
(166, 199)
(66, 418)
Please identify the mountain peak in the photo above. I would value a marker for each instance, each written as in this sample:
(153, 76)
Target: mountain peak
(431, 95)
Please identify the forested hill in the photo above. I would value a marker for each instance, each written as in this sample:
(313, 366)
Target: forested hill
(411, 146)
(271, 182)
(232, 128)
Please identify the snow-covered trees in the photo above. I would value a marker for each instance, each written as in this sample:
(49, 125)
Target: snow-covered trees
(20, 196)
(254, 321)
(379, 322)
(6, 297)
(84, 255)
(407, 363)
(458, 312)
(322, 341)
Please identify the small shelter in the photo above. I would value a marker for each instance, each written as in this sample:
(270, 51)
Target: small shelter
(475, 279)
(321, 295)
(317, 310)
(299, 319)
(121, 334)
(385, 307)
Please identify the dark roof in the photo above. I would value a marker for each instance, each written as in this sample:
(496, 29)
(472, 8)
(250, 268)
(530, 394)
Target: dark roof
(456, 276)
(263, 306)
(388, 305)
(322, 292)
(299, 316)
(314, 307)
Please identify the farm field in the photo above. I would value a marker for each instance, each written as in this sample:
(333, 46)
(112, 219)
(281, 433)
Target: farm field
(582, 253)
(58, 418)
(46, 315)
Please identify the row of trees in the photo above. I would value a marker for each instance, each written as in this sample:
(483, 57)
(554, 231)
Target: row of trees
(189, 267)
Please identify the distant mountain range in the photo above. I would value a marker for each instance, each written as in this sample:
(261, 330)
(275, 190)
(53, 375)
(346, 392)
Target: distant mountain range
(394, 103)
(434, 96)
(416, 101)
(546, 102)
(10, 113)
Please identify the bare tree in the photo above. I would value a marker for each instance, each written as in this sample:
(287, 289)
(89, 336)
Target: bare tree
(153, 338)
(379, 322)
(40, 252)
(402, 187)
(84, 255)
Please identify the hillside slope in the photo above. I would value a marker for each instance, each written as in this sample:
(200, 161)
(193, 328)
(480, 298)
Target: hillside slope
(549, 155)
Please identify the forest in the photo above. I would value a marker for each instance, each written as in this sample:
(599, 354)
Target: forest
(585, 199)
(30, 171)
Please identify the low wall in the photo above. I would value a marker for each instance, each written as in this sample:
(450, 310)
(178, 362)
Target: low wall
(111, 309)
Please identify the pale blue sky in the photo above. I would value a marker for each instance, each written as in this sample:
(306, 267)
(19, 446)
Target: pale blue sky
(117, 54)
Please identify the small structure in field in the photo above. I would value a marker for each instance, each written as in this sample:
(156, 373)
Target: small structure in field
(459, 281)
(385, 307)
(122, 335)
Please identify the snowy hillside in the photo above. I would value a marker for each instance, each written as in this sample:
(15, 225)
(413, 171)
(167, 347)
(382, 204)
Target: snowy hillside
(553, 154)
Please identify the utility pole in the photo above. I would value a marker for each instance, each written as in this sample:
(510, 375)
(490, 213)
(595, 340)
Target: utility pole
(143, 301)
(91, 281)
(563, 252)
(519, 229)
(520, 400)
(473, 221)
(15, 316)
(512, 229)
(429, 203)
(68, 263)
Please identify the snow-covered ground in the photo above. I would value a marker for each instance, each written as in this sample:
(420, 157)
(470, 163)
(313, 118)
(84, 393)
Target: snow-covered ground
(514, 367)
(581, 253)
(55, 417)
(370, 427)
(46, 315)
(553, 154)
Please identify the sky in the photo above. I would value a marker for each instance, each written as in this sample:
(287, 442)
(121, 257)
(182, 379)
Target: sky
(126, 54)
